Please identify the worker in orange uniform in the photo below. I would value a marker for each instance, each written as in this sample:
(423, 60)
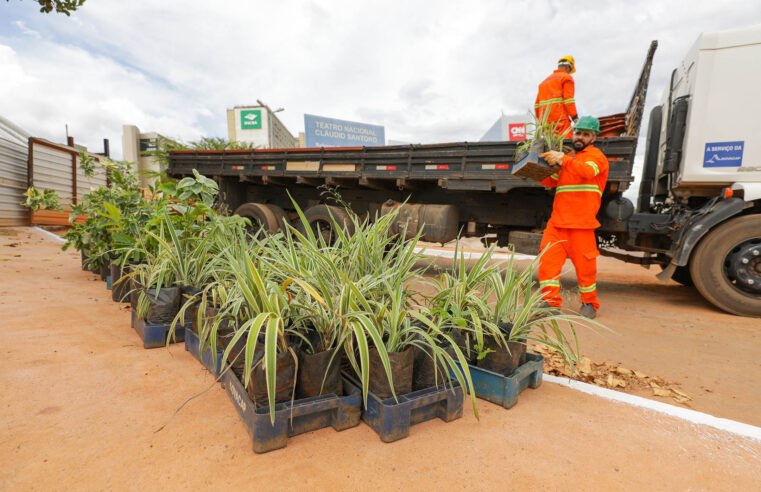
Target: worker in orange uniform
(555, 99)
(570, 232)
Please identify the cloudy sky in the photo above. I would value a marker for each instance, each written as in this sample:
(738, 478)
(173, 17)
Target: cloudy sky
(427, 71)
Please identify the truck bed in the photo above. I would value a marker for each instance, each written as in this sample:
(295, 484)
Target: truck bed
(480, 166)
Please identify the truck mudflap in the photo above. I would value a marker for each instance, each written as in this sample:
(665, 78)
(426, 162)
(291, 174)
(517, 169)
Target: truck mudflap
(698, 227)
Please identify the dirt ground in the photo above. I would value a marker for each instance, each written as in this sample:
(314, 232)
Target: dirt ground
(83, 402)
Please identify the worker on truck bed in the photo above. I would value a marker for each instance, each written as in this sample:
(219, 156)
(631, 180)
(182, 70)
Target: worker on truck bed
(555, 99)
(570, 232)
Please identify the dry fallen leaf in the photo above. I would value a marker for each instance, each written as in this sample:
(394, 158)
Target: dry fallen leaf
(623, 371)
(639, 374)
(585, 365)
(661, 392)
(681, 393)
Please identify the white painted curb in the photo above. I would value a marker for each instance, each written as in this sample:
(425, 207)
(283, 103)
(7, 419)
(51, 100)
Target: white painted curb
(469, 255)
(692, 416)
(49, 234)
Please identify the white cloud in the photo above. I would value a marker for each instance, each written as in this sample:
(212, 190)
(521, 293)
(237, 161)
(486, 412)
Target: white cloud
(426, 71)
(29, 32)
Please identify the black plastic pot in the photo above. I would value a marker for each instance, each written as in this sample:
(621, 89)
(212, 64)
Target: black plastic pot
(466, 346)
(105, 269)
(237, 358)
(503, 360)
(401, 372)
(134, 292)
(314, 369)
(424, 371)
(119, 289)
(191, 313)
(164, 304)
(285, 369)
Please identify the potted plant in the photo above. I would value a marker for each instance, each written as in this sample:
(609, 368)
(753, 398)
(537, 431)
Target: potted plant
(542, 137)
(461, 299)
(518, 317)
(261, 306)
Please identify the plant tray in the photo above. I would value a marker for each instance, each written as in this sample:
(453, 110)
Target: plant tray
(534, 167)
(504, 390)
(392, 420)
(193, 345)
(154, 335)
(292, 418)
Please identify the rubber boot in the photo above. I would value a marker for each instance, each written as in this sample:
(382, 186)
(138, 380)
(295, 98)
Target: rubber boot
(588, 311)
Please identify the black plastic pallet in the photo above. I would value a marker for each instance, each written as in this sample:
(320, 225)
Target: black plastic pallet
(392, 420)
(292, 418)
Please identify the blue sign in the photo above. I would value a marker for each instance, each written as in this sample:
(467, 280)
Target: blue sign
(723, 154)
(330, 132)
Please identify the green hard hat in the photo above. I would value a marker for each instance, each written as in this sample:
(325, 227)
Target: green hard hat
(588, 123)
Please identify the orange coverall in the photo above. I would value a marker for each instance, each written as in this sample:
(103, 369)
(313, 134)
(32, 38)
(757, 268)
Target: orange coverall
(555, 96)
(570, 232)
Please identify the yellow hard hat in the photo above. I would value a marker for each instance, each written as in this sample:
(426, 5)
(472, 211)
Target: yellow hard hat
(568, 59)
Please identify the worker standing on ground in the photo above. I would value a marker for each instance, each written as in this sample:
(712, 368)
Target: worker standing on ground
(555, 99)
(570, 232)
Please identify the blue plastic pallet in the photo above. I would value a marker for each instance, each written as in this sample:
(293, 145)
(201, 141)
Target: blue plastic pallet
(292, 418)
(392, 420)
(504, 390)
(193, 345)
(154, 335)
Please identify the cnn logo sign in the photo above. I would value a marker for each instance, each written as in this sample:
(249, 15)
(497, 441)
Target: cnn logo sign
(516, 131)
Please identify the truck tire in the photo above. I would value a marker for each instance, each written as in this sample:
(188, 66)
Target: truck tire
(263, 216)
(280, 215)
(725, 269)
(319, 219)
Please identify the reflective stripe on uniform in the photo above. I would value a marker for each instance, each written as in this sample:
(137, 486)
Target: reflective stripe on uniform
(594, 166)
(548, 101)
(549, 283)
(554, 176)
(568, 101)
(579, 189)
(588, 289)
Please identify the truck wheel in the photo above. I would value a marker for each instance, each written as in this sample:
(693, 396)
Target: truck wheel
(263, 216)
(319, 219)
(280, 215)
(726, 266)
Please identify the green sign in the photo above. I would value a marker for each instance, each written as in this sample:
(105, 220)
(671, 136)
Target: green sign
(250, 119)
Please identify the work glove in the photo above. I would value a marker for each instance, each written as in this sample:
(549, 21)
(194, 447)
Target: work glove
(553, 157)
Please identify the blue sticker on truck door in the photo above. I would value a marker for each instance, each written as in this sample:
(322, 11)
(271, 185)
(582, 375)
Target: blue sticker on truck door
(723, 154)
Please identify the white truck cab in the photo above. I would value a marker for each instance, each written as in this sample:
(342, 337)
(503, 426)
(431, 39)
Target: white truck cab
(720, 78)
(700, 199)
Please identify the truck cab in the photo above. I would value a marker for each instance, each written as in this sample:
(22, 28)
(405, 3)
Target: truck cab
(699, 207)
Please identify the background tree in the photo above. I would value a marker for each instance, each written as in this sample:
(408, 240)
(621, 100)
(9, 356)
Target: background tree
(60, 6)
